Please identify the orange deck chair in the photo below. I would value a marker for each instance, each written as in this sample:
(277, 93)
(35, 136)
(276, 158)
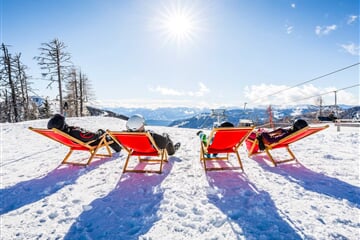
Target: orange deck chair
(223, 141)
(252, 143)
(75, 144)
(141, 145)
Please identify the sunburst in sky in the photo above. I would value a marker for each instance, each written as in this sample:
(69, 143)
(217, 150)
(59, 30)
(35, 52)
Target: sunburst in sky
(178, 23)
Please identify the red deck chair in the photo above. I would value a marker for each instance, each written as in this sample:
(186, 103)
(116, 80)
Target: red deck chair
(141, 145)
(252, 143)
(75, 144)
(223, 141)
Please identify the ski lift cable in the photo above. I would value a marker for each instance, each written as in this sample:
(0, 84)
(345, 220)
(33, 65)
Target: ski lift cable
(311, 80)
(325, 93)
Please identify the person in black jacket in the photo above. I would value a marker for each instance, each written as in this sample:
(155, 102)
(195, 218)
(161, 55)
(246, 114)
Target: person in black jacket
(280, 133)
(136, 123)
(58, 122)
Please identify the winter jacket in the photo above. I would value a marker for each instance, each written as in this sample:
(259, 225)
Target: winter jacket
(84, 135)
(163, 141)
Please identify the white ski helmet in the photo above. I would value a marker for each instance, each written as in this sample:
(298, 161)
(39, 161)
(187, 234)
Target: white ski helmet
(135, 123)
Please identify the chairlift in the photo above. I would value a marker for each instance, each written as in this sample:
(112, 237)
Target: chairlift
(245, 123)
(219, 114)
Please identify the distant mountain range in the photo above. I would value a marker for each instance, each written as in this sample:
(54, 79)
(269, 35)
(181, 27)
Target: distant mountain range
(159, 116)
(185, 117)
(205, 118)
(101, 112)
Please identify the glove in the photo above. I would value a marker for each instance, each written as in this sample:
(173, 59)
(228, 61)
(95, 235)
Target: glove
(100, 132)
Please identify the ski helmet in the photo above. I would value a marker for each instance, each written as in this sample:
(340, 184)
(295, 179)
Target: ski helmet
(299, 124)
(135, 123)
(57, 121)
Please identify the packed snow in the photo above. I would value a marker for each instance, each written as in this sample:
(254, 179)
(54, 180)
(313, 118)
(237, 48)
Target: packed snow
(316, 198)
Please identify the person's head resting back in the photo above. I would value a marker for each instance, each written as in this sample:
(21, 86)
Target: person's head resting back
(299, 124)
(136, 123)
(57, 121)
(226, 124)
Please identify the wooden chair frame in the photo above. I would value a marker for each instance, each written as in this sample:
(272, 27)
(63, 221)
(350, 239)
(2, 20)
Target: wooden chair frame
(214, 147)
(75, 144)
(148, 151)
(253, 149)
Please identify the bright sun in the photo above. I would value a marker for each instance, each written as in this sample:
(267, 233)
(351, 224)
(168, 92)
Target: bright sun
(178, 24)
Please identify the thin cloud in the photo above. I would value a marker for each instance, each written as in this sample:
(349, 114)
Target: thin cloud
(306, 94)
(152, 103)
(289, 29)
(172, 92)
(167, 91)
(203, 90)
(325, 30)
(351, 19)
(351, 48)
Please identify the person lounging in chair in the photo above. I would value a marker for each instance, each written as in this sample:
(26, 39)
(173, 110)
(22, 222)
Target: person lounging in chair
(58, 122)
(280, 133)
(205, 139)
(203, 136)
(136, 123)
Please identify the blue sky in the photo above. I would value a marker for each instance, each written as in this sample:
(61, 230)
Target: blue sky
(196, 53)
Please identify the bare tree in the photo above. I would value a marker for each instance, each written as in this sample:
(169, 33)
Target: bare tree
(5, 107)
(44, 110)
(319, 102)
(23, 86)
(78, 92)
(87, 92)
(3, 93)
(72, 89)
(9, 82)
(55, 61)
(81, 93)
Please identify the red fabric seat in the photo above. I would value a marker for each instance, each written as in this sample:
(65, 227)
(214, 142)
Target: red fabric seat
(75, 144)
(252, 143)
(142, 145)
(224, 140)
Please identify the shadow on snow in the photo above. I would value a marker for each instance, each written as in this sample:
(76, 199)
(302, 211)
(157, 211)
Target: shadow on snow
(127, 212)
(252, 210)
(314, 181)
(33, 190)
